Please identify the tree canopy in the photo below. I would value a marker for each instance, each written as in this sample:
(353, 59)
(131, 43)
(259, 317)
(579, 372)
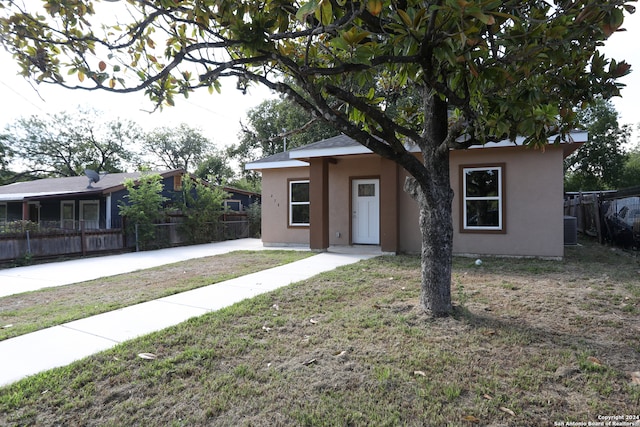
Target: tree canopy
(482, 70)
(277, 125)
(599, 163)
(66, 143)
(182, 147)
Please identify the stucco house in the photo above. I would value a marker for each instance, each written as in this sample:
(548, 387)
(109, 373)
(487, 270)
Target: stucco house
(508, 198)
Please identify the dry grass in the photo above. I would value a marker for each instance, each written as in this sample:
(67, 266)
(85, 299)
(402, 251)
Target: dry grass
(28, 312)
(532, 343)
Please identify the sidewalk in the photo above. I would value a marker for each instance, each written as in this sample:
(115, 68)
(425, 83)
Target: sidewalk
(61, 345)
(31, 278)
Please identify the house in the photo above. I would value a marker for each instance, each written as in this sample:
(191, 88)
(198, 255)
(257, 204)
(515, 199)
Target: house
(508, 198)
(65, 202)
(239, 200)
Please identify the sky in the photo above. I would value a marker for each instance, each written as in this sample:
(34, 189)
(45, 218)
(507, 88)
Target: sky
(219, 115)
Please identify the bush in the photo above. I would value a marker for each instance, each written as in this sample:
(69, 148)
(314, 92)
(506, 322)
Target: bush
(254, 214)
(144, 208)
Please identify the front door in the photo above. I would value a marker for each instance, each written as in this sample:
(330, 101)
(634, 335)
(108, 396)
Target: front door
(365, 218)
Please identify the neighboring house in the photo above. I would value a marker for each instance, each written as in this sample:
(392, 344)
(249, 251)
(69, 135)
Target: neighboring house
(239, 200)
(65, 202)
(508, 198)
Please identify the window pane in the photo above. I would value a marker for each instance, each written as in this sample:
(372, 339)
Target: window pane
(299, 191)
(482, 213)
(90, 212)
(67, 211)
(300, 214)
(366, 190)
(482, 183)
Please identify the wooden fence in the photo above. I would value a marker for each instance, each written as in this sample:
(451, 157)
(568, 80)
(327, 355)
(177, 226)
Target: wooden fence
(33, 244)
(611, 216)
(586, 209)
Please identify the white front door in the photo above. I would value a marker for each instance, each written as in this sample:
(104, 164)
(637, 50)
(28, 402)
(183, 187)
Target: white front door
(365, 215)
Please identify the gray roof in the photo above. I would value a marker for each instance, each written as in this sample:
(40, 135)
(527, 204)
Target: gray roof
(74, 185)
(339, 141)
(278, 157)
(342, 145)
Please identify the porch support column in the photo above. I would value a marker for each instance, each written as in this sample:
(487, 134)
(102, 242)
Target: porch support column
(25, 210)
(388, 205)
(319, 204)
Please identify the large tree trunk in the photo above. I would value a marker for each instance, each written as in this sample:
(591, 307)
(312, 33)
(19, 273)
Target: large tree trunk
(432, 191)
(436, 228)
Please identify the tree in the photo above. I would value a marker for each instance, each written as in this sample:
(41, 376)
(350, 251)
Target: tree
(631, 170)
(202, 208)
(6, 154)
(483, 71)
(66, 143)
(215, 168)
(599, 163)
(183, 147)
(143, 208)
(277, 125)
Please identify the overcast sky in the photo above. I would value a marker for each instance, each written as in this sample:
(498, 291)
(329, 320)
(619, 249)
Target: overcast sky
(218, 115)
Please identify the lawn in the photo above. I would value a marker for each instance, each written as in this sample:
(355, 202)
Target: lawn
(531, 343)
(30, 311)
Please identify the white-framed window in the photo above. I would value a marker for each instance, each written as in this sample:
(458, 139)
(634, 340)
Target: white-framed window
(233, 205)
(299, 206)
(90, 214)
(483, 198)
(68, 214)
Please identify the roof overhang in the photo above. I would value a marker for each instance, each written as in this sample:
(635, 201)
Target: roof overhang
(575, 139)
(298, 156)
(276, 165)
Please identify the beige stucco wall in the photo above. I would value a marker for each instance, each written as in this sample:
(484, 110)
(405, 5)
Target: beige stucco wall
(275, 209)
(533, 198)
(533, 201)
(275, 199)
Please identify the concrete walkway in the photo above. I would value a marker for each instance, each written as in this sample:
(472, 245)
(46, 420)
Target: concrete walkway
(61, 345)
(34, 277)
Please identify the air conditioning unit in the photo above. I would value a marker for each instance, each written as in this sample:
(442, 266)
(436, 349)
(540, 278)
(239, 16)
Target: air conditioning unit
(570, 230)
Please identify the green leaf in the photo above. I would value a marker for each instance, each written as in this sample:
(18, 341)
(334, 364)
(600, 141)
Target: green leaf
(405, 18)
(306, 9)
(324, 13)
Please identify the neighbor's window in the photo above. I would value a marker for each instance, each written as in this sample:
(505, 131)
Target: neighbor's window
(68, 214)
(3, 212)
(177, 182)
(298, 203)
(483, 199)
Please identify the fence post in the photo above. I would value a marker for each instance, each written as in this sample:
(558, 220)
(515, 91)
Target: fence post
(137, 247)
(28, 243)
(598, 201)
(83, 246)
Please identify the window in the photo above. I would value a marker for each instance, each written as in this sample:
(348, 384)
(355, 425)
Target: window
(67, 214)
(298, 203)
(90, 214)
(177, 182)
(3, 212)
(233, 205)
(483, 198)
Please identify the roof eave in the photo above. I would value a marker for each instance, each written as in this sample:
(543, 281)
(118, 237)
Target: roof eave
(276, 165)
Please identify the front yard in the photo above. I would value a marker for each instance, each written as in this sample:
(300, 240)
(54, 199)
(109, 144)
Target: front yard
(532, 343)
